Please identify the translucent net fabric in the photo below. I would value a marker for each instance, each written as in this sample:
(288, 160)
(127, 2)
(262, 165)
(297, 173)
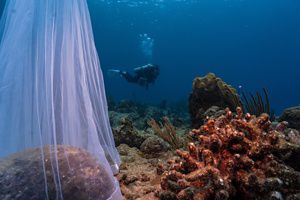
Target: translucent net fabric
(51, 85)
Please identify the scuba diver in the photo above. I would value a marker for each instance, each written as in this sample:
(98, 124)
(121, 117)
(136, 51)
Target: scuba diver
(142, 76)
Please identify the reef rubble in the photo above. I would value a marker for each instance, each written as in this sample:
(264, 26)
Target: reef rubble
(138, 175)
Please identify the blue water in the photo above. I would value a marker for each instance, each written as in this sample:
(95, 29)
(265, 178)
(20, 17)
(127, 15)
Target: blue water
(253, 43)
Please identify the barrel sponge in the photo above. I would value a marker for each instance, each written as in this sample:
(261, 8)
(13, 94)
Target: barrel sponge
(209, 91)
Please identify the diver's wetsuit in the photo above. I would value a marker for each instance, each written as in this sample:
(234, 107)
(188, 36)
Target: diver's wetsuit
(143, 76)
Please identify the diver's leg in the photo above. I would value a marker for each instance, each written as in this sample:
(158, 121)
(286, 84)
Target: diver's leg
(130, 78)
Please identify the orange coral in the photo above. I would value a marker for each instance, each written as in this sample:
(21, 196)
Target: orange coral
(232, 157)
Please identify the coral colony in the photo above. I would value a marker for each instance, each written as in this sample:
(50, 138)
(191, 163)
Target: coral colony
(232, 157)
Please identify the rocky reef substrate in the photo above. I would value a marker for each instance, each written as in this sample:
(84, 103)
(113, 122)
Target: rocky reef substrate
(292, 116)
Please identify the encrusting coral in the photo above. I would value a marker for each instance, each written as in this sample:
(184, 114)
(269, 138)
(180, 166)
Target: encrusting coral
(232, 157)
(210, 91)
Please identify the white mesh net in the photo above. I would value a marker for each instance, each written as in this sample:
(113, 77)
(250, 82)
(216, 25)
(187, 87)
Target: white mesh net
(51, 85)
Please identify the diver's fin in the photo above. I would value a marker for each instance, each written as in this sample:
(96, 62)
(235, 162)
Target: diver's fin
(114, 72)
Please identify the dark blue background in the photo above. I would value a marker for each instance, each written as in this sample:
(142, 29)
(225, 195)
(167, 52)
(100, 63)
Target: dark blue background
(2, 3)
(253, 43)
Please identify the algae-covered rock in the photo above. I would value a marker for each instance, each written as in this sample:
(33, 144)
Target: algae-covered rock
(153, 146)
(292, 116)
(126, 133)
(210, 91)
(82, 177)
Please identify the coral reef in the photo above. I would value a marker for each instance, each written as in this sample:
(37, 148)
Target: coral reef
(140, 114)
(82, 176)
(232, 157)
(210, 91)
(152, 139)
(292, 116)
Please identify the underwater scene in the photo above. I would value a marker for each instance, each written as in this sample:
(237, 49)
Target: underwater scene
(150, 100)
